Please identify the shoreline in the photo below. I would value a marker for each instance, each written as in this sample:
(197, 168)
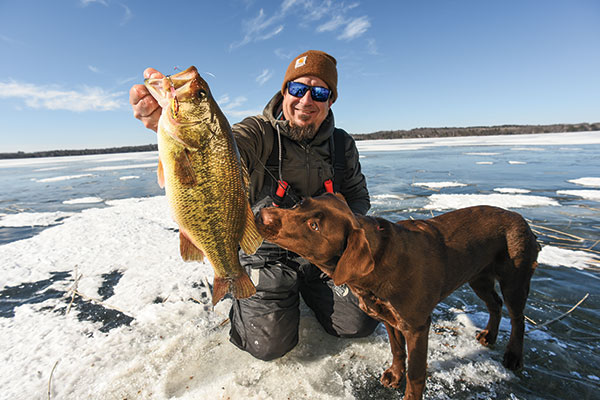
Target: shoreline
(418, 133)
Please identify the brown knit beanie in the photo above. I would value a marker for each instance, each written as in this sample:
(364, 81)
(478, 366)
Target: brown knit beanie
(316, 63)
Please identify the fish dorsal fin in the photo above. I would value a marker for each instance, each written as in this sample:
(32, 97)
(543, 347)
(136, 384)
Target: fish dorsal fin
(251, 239)
(160, 172)
(187, 249)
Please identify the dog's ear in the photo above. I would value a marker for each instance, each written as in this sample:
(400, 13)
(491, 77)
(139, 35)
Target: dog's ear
(356, 261)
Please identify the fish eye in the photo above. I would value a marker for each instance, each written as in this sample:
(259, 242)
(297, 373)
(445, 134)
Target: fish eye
(201, 93)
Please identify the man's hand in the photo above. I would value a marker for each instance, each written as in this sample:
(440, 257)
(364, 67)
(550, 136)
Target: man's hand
(145, 107)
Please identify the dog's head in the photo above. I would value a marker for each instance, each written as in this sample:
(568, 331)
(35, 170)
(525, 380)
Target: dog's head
(324, 231)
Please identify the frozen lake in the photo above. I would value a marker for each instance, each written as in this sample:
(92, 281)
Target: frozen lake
(141, 327)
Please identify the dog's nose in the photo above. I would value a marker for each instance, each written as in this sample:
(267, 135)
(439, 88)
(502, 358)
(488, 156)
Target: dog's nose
(266, 217)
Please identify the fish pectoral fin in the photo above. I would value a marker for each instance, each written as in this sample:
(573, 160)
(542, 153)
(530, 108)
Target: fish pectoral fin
(184, 172)
(160, 173)
(240, 287)
(188, 250)
(251, 239)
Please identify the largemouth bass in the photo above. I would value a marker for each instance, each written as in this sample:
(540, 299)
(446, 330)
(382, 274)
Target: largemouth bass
(206, 187)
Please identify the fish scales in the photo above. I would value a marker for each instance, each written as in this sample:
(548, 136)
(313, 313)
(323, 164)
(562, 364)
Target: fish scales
(204, 182)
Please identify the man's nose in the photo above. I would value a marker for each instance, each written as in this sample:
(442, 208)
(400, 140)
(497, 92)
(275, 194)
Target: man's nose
(307, 98)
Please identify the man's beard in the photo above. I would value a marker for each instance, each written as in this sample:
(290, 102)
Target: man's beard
(299, 133)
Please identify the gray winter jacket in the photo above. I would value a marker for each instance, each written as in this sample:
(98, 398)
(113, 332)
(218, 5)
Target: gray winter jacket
(306, 165)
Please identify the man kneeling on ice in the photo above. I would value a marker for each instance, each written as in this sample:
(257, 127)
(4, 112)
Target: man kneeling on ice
(304, 154)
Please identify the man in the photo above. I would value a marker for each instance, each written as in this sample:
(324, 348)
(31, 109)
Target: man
(290, 153)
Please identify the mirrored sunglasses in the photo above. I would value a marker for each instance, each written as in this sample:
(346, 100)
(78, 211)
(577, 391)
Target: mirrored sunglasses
(318, 93)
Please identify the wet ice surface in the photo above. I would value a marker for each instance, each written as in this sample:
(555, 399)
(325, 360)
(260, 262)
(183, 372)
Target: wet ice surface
(139, 324)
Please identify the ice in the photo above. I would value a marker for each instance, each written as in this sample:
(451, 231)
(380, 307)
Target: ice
(120, 167)
(439, 185)
(33, 219)
(62, 178)
(128, 177)
(512, 190)
(587, 181)
(84, 200)
(556, 256)
(177, 347)
(593, 195)
(455, 201)
(548, 139)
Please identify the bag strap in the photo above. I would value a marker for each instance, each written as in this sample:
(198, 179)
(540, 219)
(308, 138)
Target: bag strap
(339, 159)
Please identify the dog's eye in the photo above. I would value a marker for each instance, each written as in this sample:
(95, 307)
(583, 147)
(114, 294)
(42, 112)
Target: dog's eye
(314, 226)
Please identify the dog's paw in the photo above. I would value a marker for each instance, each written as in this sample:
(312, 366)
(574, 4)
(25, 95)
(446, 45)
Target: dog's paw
(392, 377)
(486, 338)
(513, 361)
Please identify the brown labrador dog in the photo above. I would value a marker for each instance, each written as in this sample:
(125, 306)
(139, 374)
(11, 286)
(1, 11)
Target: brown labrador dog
(401, 271)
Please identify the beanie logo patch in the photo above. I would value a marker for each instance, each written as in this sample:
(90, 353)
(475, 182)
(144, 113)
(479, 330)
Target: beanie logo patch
(300, 62)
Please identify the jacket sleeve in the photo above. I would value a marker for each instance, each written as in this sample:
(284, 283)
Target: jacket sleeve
(249, 138)
(354, 187)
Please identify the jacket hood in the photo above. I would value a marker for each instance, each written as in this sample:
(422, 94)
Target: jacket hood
(273, 110)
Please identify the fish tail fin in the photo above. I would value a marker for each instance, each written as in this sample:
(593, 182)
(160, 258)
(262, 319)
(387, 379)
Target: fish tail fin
(187, 249)
(241, 287)
(251, 239)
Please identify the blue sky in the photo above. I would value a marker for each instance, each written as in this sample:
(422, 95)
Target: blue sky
(67, 65)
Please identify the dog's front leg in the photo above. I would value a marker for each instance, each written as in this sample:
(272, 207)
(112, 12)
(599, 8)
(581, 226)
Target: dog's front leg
(416, 343)
(392, 377)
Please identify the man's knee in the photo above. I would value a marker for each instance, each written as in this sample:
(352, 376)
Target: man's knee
(265, 336)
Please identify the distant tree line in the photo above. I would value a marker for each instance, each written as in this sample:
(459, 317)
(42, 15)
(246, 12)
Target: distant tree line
(478, 131)
(396, 134)
(61, 153)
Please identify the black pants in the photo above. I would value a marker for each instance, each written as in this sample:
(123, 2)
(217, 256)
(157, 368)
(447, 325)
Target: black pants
(266, 324)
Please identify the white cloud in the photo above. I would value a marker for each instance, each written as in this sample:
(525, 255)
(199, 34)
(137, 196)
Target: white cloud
(128, 14)
(372, 47)
(264, 77)
(355, 28)
(86, 3)
(56, 98)
(95, 70)
(232, 108)
(305, 13)
(333, 24)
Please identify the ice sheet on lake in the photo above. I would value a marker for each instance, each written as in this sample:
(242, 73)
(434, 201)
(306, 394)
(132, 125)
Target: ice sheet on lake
(33, 219)
(593, 195)
(511, 190)
(546, 139)
(120, 167)
(62, 178)
(455, 201)
(128, 177)
(557, 256)
(587, 181)
(84, 200)
(439, 185)
(176, 347)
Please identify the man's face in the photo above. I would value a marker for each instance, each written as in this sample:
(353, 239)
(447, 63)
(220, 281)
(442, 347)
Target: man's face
(304, 112)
